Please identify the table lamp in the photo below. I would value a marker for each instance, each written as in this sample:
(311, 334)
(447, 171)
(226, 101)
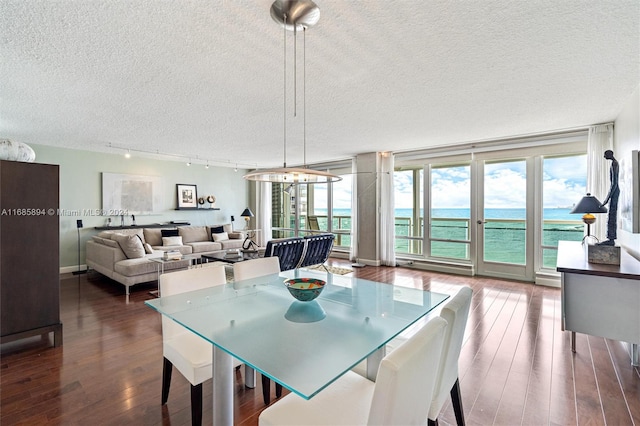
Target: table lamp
(248, 214)
(588, 205)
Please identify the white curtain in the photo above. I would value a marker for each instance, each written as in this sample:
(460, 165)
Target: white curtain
(387, 211)
(600, 140)
(263, 202)
(354, 211)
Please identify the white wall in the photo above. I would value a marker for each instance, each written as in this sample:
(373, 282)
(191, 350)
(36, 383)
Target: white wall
(81, 190)
(627, 139)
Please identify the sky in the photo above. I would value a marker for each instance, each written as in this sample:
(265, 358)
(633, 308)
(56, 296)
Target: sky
(564, 184)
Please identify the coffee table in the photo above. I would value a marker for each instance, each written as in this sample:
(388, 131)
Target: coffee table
(221, 256)
(192, 258)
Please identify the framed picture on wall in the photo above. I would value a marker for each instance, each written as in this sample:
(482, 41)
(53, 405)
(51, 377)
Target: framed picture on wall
(187, 196)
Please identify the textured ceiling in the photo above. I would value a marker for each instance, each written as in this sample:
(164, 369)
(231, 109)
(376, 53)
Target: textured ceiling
(205, 78)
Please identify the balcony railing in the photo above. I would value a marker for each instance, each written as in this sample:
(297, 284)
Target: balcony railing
(504, 239)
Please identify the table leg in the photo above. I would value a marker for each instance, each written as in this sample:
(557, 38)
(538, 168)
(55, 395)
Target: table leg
(373, 362)
(249, 377)
(222, 365)
(634, 354)
(573, 341)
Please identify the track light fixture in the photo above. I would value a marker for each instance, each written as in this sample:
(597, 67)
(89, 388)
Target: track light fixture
(179, 157)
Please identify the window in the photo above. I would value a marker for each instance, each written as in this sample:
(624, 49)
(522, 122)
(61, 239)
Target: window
(305, 209)
(450, 211)
(564, 183)
(341, 211)
(408, 211)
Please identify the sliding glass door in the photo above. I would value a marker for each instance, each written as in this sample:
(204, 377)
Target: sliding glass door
(504, 237)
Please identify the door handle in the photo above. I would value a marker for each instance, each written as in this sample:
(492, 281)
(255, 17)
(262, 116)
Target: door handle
(480, 222)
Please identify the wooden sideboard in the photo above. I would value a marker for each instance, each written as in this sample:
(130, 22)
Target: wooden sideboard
(600, 300)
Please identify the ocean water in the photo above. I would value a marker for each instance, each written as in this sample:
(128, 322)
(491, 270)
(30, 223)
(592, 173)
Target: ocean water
(504, 241)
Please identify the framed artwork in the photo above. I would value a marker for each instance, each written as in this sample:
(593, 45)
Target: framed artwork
(130, 194)
(187, 196)
(629, 205)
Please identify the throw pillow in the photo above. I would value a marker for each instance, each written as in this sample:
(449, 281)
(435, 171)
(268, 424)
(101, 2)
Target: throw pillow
(171, 241)
(131, 245)
(147, 248)
(217, 229)
(222, 236)
(169, 233)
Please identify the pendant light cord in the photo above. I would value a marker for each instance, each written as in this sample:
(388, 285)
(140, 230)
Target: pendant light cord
(284, 100)
(304, 96)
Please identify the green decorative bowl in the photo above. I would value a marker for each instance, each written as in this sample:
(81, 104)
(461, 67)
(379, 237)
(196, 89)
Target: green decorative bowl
(304, 289)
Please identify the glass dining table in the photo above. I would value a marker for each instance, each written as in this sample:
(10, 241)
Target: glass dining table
(304, 346)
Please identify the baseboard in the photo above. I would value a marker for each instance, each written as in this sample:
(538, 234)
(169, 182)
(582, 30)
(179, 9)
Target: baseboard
(548, 279)
(453, 268)
(72, 269)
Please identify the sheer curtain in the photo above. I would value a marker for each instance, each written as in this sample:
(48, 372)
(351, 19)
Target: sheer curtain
(354, 211)
(600, 140)
(263, 192)
(387, 212)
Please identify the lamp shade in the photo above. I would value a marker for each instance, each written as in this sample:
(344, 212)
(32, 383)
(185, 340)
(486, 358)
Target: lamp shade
(247, 213)
(589, 204)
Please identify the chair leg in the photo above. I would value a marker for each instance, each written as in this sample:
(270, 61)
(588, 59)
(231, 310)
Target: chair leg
(278, 390)
(456, 399)
(196, 405)
(266, 389)
(167, 369)
(432, 422)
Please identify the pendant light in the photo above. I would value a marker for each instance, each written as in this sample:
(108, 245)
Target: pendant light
(293, 15)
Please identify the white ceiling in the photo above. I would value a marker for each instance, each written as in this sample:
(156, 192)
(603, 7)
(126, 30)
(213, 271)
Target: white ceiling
(205, 78)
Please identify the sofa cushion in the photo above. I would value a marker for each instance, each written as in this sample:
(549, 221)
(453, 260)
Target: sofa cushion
(217, 229)
(133, 267)
(181, 249)
(169, 232)
(193, 233)
(130, 244)
(109, 234)
(205, 246)
(106, 241)
(153, 236)
(172, 241)
(231, 244)
(222, 236)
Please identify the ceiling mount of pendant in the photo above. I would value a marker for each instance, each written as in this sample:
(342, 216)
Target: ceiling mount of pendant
(295, 14)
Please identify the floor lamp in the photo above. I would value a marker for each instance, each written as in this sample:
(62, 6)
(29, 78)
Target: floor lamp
(78, 272)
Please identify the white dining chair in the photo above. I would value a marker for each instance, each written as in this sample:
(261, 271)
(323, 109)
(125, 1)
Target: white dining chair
(254, 268)
(188, 352)
(406, 379)
(455, 312)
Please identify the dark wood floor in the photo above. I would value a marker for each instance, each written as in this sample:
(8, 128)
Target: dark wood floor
(515, 366)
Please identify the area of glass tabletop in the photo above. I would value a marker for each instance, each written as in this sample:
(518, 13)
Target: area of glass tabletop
(302, 345)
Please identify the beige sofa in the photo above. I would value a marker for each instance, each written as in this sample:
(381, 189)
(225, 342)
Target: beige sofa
(124, 254)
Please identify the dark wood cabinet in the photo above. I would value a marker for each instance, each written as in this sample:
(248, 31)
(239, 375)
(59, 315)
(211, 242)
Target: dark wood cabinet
(29, 251)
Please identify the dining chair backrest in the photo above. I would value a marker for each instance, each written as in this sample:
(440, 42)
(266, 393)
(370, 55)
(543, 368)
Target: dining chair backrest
(183, 281)
(406, 378)
(455, 312)
(318, 249)
(289, 251)
(255, 268)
